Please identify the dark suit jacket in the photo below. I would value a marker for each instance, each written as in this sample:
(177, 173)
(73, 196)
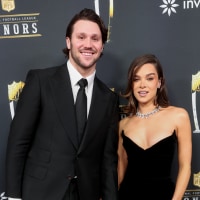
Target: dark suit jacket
(43, 154)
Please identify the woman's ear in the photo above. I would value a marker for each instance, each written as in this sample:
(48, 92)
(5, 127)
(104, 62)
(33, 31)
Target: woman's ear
(159, 84)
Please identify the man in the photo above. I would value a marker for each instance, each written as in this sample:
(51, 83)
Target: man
(45, 159)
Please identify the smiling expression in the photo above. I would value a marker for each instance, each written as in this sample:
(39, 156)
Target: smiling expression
(146, 83)
(85, 45)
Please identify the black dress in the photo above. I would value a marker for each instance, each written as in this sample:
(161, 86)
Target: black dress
(148, 171)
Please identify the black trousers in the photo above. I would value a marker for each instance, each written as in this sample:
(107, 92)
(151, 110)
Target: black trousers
(72, 192)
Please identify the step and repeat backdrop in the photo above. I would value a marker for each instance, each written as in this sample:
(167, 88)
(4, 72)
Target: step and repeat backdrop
(32, 35)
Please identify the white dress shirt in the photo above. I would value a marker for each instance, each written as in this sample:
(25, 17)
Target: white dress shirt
(75, 76)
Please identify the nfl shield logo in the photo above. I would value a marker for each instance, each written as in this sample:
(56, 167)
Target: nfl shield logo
(196, 180)
(8, 5)
(14, 90)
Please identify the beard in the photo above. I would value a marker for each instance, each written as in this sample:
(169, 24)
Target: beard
(81, 61)
(82, 64)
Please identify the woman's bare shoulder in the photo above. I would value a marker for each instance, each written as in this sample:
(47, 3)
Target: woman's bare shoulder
(124, 121)
(177, 113)
(175, 110)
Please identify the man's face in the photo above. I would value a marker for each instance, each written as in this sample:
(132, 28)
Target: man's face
(85, 45)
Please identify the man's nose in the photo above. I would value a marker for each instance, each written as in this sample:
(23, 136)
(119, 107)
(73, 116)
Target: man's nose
(88, 42)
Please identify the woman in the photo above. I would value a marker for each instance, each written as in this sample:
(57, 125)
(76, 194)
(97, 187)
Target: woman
(148, 137)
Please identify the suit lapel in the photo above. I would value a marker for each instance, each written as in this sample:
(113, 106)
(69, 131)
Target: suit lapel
(63, 97)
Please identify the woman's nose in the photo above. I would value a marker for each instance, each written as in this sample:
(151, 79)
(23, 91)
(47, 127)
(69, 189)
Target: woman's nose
(142, 84)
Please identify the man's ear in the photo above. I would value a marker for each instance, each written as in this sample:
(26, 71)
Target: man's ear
(68, 42)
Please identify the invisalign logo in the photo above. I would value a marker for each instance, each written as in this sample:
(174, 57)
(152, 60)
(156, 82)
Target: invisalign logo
(169, 6)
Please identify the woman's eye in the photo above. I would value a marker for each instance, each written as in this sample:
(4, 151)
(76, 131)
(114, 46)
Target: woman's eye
(150, 78)
(136, 79)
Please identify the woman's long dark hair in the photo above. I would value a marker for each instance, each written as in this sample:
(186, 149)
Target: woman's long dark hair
(161, 97)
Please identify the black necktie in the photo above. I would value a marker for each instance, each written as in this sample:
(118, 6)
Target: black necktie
(81, 108)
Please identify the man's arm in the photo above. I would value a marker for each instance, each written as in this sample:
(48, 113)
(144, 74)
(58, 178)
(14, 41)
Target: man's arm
(21, 134)
(110, 159)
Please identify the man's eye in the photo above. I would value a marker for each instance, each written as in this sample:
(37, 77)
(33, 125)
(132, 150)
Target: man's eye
(95, 39)
(80, 37)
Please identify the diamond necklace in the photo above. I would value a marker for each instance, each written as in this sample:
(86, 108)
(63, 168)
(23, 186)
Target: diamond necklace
(146, 115)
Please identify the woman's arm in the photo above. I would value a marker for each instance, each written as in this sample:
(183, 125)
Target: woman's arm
(122, 156)
(184, 152)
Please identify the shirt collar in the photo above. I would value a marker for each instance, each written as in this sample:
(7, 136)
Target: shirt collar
(75, 76)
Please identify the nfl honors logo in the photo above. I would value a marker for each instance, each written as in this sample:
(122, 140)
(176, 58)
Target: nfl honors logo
(8, 5)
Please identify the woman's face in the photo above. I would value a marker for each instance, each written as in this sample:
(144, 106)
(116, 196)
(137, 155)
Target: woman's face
(145, 84)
